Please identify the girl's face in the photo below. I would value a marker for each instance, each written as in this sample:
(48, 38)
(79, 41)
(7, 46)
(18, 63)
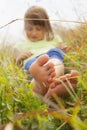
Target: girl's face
(35, 32)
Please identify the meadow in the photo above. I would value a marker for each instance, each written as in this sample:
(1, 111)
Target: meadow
(20, 109)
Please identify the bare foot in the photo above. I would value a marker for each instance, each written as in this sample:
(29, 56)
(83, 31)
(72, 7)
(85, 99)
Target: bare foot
(42, 72)
(58, 86)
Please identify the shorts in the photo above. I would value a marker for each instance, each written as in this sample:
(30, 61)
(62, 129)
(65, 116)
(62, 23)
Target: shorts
(52, 53)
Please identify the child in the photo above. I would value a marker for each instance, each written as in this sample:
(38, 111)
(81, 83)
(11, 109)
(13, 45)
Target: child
(44, 60)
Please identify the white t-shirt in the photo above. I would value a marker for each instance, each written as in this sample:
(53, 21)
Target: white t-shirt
(38, 47)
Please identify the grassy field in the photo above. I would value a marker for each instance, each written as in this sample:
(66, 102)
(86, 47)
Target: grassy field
(19, 108)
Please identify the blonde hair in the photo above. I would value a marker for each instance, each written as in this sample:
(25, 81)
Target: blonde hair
(38, 16)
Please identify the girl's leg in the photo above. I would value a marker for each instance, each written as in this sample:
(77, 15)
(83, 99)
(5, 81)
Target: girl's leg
(58, 66)
(57, 57)
(45, 69)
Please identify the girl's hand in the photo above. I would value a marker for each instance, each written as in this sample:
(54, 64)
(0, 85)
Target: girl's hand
(64, 47)
(23, 57)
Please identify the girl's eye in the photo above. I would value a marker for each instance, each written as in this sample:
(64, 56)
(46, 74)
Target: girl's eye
(29, 28)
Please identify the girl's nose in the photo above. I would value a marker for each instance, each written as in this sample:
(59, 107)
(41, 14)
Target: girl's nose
(34, 32)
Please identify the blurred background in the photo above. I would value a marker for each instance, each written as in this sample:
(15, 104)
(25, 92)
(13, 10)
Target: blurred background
(64, 13)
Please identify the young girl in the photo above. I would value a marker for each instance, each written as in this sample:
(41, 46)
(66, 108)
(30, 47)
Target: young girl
(41, 58)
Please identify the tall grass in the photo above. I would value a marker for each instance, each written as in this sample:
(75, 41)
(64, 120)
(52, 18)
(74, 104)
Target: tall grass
(24, 110)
